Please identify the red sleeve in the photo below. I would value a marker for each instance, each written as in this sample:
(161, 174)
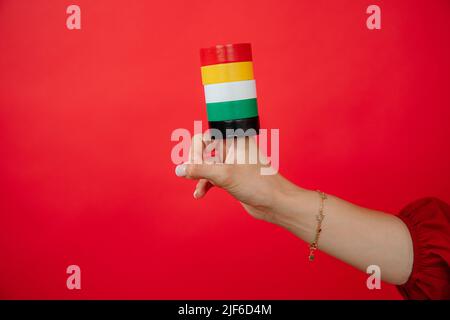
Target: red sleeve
(428, 221)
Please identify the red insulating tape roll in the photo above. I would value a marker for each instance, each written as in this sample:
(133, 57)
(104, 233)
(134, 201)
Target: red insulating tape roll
(238, 52)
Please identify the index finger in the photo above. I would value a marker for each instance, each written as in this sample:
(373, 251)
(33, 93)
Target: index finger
(196, 149)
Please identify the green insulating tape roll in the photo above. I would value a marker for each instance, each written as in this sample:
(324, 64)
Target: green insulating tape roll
(230, 110)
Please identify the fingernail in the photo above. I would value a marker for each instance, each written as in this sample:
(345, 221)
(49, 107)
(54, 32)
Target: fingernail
(195, 194)
(180, 170)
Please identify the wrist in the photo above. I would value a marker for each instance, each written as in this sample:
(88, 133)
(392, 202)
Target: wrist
(295, 209)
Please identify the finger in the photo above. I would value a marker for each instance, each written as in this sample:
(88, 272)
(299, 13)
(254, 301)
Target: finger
(202, 188)
(216, 173)
(196, 149)
(242, 150)
(213, 152)
(230, 150)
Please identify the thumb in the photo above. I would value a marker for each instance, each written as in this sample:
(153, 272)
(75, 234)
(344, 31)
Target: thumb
(213, 172)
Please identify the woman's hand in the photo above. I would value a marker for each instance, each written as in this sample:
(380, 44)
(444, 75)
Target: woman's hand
(234, 172)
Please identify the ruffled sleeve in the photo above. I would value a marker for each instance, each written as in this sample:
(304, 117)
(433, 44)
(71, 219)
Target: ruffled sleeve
(428, 221)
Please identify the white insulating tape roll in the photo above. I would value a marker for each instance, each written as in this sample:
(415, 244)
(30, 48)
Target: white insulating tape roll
(230, 91)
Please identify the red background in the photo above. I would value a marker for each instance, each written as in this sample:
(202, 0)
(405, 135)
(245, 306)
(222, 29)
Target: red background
(86, 117)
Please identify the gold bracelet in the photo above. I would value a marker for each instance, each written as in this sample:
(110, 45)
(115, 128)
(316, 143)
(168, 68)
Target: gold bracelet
(315, 244)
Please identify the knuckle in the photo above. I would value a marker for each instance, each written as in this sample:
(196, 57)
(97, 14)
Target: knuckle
(191, 170)
(225, 175)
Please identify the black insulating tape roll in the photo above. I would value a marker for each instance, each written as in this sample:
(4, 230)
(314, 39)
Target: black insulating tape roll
(239, 127)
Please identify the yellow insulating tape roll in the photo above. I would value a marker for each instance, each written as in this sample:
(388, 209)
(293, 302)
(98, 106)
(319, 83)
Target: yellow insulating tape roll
(227, 72)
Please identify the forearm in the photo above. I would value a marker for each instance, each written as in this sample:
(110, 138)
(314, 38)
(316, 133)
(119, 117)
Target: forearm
(355, 235)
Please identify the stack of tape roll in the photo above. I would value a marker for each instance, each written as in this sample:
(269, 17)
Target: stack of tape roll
(230, 89)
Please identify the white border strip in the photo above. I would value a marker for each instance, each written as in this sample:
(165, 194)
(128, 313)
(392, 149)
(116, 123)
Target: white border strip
(230, 91)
